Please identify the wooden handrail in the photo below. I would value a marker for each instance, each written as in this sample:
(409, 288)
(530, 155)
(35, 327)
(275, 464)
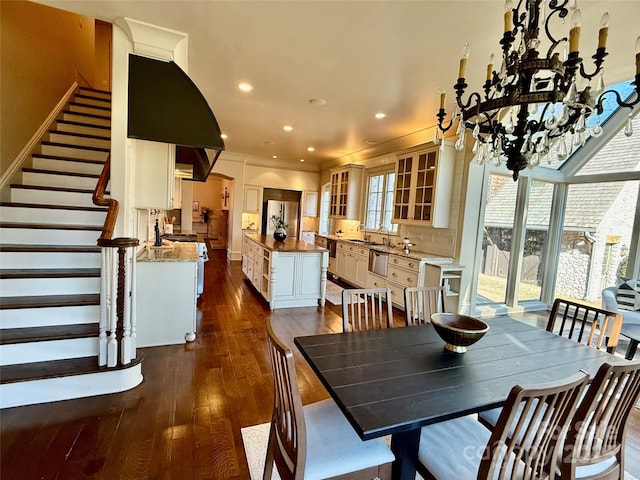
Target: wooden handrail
(100, 200)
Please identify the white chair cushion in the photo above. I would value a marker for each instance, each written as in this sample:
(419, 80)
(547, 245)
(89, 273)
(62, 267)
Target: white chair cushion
(453, 450)
(333, 446)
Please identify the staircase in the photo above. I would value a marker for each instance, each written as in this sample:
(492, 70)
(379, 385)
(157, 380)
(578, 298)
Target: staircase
(50, 265)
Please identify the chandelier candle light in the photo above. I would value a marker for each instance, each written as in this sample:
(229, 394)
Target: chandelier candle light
(533, 102)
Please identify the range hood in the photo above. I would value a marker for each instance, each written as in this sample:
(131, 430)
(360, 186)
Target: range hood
(166, 106)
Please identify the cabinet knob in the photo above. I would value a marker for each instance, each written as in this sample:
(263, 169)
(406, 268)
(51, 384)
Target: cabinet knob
(394, 274)
(411, 264)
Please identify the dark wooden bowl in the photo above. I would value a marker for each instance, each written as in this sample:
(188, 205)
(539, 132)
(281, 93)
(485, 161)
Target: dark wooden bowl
(458, 331)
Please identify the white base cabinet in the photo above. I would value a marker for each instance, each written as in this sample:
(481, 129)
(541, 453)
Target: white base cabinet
(166, 303)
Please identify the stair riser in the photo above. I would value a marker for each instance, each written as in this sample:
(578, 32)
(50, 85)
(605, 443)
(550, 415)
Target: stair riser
(91, 93)
(67, 166)
(55, 180)
(98, 102)
(75, 140)
(43, 351)
(71, 128)
(19, 287)
(78, 117)
(49, 316)
(89, 109)
(73, 152)
(23, 195)
(48, 215)
(50, 260)
(49, 236)
(64, 388)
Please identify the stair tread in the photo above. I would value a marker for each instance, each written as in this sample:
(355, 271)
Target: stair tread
(89, 115)
(58, 172)
(67, 159)
(49, 272)
(83, 124)
(42, 301)
(55, 189)
(70, 145)
(20, 247)
(54, 207)
(92, 89)
(11, 336)
(51, 226)
(57, 368)
(81, 135)
(91, 97)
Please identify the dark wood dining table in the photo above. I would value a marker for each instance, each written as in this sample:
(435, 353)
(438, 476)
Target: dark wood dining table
(394, 381)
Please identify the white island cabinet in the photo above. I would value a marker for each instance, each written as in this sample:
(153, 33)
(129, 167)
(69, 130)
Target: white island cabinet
(166, 295)
(292, 273)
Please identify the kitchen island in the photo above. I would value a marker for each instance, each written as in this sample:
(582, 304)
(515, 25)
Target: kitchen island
(166, 294)
(287, 274)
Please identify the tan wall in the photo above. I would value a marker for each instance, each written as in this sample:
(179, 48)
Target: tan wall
(43, 50)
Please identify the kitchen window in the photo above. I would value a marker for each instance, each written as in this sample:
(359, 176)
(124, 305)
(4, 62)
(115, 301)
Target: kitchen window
(380, 188)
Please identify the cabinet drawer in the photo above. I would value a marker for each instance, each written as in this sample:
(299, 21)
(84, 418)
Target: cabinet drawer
(376, 281)
(404, 262)
(397, 293)
(402, 276)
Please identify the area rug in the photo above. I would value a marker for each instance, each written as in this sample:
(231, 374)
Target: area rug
(334, 293)
(255, 440)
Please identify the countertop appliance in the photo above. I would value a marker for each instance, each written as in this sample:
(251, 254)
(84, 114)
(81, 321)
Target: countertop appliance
(378, 262)
(202, 257)
(287, 212)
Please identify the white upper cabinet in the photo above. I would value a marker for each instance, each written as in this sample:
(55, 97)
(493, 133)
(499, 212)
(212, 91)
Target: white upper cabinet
(252, 199)
(344, 200)
(154, 174)
(310, 204)
(424, 180)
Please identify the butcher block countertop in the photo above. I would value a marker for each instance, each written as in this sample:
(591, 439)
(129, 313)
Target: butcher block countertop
(288, 245)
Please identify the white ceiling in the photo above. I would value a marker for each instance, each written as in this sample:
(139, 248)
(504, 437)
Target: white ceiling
(362, 57)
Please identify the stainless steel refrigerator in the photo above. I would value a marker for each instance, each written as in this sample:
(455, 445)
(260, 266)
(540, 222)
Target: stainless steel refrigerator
(287, 211)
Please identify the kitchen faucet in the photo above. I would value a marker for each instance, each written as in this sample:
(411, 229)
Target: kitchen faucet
(388, 242)
(363, 227)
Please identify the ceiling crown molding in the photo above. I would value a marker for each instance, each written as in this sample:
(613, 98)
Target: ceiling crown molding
(151, 40)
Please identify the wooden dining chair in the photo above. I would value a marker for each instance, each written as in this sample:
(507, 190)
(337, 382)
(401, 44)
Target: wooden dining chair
(421, 302)
(524, 443)
(315, 441)
(594, 445)
(585, 324)
(366, 309)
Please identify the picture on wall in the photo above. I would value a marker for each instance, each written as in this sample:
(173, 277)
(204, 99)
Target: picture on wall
(195, 206)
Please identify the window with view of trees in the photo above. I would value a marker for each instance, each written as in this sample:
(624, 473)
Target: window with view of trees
(380, 188)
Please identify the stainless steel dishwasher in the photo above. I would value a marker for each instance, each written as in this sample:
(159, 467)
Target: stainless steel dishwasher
(378, 262)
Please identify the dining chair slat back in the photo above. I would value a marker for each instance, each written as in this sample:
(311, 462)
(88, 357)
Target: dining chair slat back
(585, 324)
(366, 309)
(305, 441)
(523, 444)
(421, 302)
(287, 435)
(594, 445)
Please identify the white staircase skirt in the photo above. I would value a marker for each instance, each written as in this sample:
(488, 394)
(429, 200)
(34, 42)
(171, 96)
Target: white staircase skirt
(74, 386)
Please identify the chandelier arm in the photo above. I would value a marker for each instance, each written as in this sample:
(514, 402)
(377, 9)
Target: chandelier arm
(598, 60)
(600, 105)
(441, 116)
(561, 11)
(465, 106)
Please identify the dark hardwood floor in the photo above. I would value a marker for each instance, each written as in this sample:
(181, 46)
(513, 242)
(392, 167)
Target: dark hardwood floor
(184, 421)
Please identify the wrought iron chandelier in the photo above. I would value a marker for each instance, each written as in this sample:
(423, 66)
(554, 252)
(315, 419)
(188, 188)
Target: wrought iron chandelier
(533, 102)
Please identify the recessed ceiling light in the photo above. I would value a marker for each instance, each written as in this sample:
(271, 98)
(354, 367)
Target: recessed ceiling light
(269, 142)
(370, 142)
(317, 101)
(311, 149)
(287, 128)
(380, 115)
(274, 156)
(224, 136)
(302, 159)
(245, 86)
